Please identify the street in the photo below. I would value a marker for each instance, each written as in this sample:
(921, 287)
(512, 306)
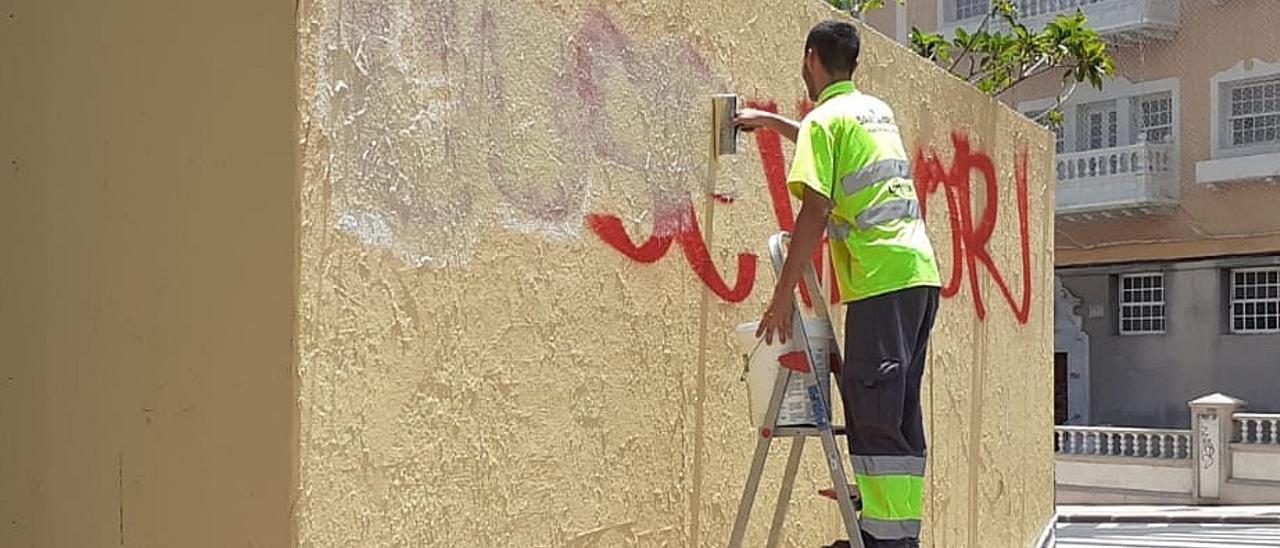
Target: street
(1167, 535)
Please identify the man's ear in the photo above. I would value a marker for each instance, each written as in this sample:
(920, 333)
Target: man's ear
(811, 59)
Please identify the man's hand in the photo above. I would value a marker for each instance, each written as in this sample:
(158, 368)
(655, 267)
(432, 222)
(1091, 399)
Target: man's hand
(750, 119)
(808, 233)
(777, 318)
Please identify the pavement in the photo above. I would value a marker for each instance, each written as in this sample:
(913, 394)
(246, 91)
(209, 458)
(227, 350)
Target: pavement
(1133, 526)
(1238, 515)
(1167, 535)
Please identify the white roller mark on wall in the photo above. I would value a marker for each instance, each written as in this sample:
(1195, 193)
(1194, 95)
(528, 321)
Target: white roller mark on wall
(512, 219)
(383, 104)
(370, 227)
(412, 93)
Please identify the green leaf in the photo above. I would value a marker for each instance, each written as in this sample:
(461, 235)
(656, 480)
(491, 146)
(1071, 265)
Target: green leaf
(999, 57)
(943, 52)
(868, 5)
(1055, 118)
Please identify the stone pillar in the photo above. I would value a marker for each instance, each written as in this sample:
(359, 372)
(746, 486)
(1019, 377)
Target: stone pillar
(1211, 432)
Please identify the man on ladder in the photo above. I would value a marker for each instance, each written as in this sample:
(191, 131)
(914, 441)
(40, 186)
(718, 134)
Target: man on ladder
(851, 173)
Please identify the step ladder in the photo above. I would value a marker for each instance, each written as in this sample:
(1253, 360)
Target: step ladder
(797, 363)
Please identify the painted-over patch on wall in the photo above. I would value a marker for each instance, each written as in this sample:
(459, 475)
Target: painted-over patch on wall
(406, 97)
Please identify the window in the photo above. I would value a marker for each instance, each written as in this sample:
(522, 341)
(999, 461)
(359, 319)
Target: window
(1254, 112)
(971, 8)
(1153, 117)
(1246, 122)
(1255, 300)
(1101, 125)
(1141, 304)
(1102, 129)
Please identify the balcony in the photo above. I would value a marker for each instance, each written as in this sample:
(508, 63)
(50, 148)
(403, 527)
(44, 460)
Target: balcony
(1119, 181)
(1121, 22)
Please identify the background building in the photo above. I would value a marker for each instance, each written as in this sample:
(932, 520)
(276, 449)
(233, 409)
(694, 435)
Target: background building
(1167, 229)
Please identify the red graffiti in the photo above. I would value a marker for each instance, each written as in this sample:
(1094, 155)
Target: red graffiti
(803, 107)
(770, 145)
(969, 242)
(724, 198)
(601, 50)
(678, 225)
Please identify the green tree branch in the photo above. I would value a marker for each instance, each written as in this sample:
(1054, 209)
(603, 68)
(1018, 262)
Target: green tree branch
(1000, 58)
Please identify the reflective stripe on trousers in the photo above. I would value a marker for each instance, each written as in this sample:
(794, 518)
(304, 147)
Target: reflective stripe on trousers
(890, 529)
(891, 465)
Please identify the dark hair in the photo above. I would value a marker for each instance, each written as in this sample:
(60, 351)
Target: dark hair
(837, 45)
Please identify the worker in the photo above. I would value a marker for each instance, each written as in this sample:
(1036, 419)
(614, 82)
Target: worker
(851, 174)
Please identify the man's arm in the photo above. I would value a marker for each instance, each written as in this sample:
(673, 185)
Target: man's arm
(750, 119)
(810, 224)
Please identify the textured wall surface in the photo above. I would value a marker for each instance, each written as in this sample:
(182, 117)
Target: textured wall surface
(147, 273)
(518, 294)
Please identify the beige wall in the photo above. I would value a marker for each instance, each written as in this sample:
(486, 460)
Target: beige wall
(1221, 220)
(147, 229)
(480, 366)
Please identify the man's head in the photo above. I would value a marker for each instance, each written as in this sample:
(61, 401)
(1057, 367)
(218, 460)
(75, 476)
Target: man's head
(830, 55)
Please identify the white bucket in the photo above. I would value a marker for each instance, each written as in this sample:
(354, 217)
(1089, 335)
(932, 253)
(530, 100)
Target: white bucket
(763, 372)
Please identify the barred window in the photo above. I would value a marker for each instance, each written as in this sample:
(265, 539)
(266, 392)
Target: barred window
(1142, 304)
(1255, 300)
(971, 8)
(1154, 115)
(1254, 112)
(1101, 125)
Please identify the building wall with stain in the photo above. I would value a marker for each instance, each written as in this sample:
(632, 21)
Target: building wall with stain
(148, 250)
(518, 290)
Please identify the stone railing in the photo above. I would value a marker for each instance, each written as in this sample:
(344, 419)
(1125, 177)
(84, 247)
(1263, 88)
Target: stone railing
(1226, 457)
(1255, 447)
(1256, 428)
(1142, 158)
(1105, 441)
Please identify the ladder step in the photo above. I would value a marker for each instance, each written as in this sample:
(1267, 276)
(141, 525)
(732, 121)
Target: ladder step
(798, 431)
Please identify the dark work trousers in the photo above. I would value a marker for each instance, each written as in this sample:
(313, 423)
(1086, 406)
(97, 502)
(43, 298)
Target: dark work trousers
(886, 343)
